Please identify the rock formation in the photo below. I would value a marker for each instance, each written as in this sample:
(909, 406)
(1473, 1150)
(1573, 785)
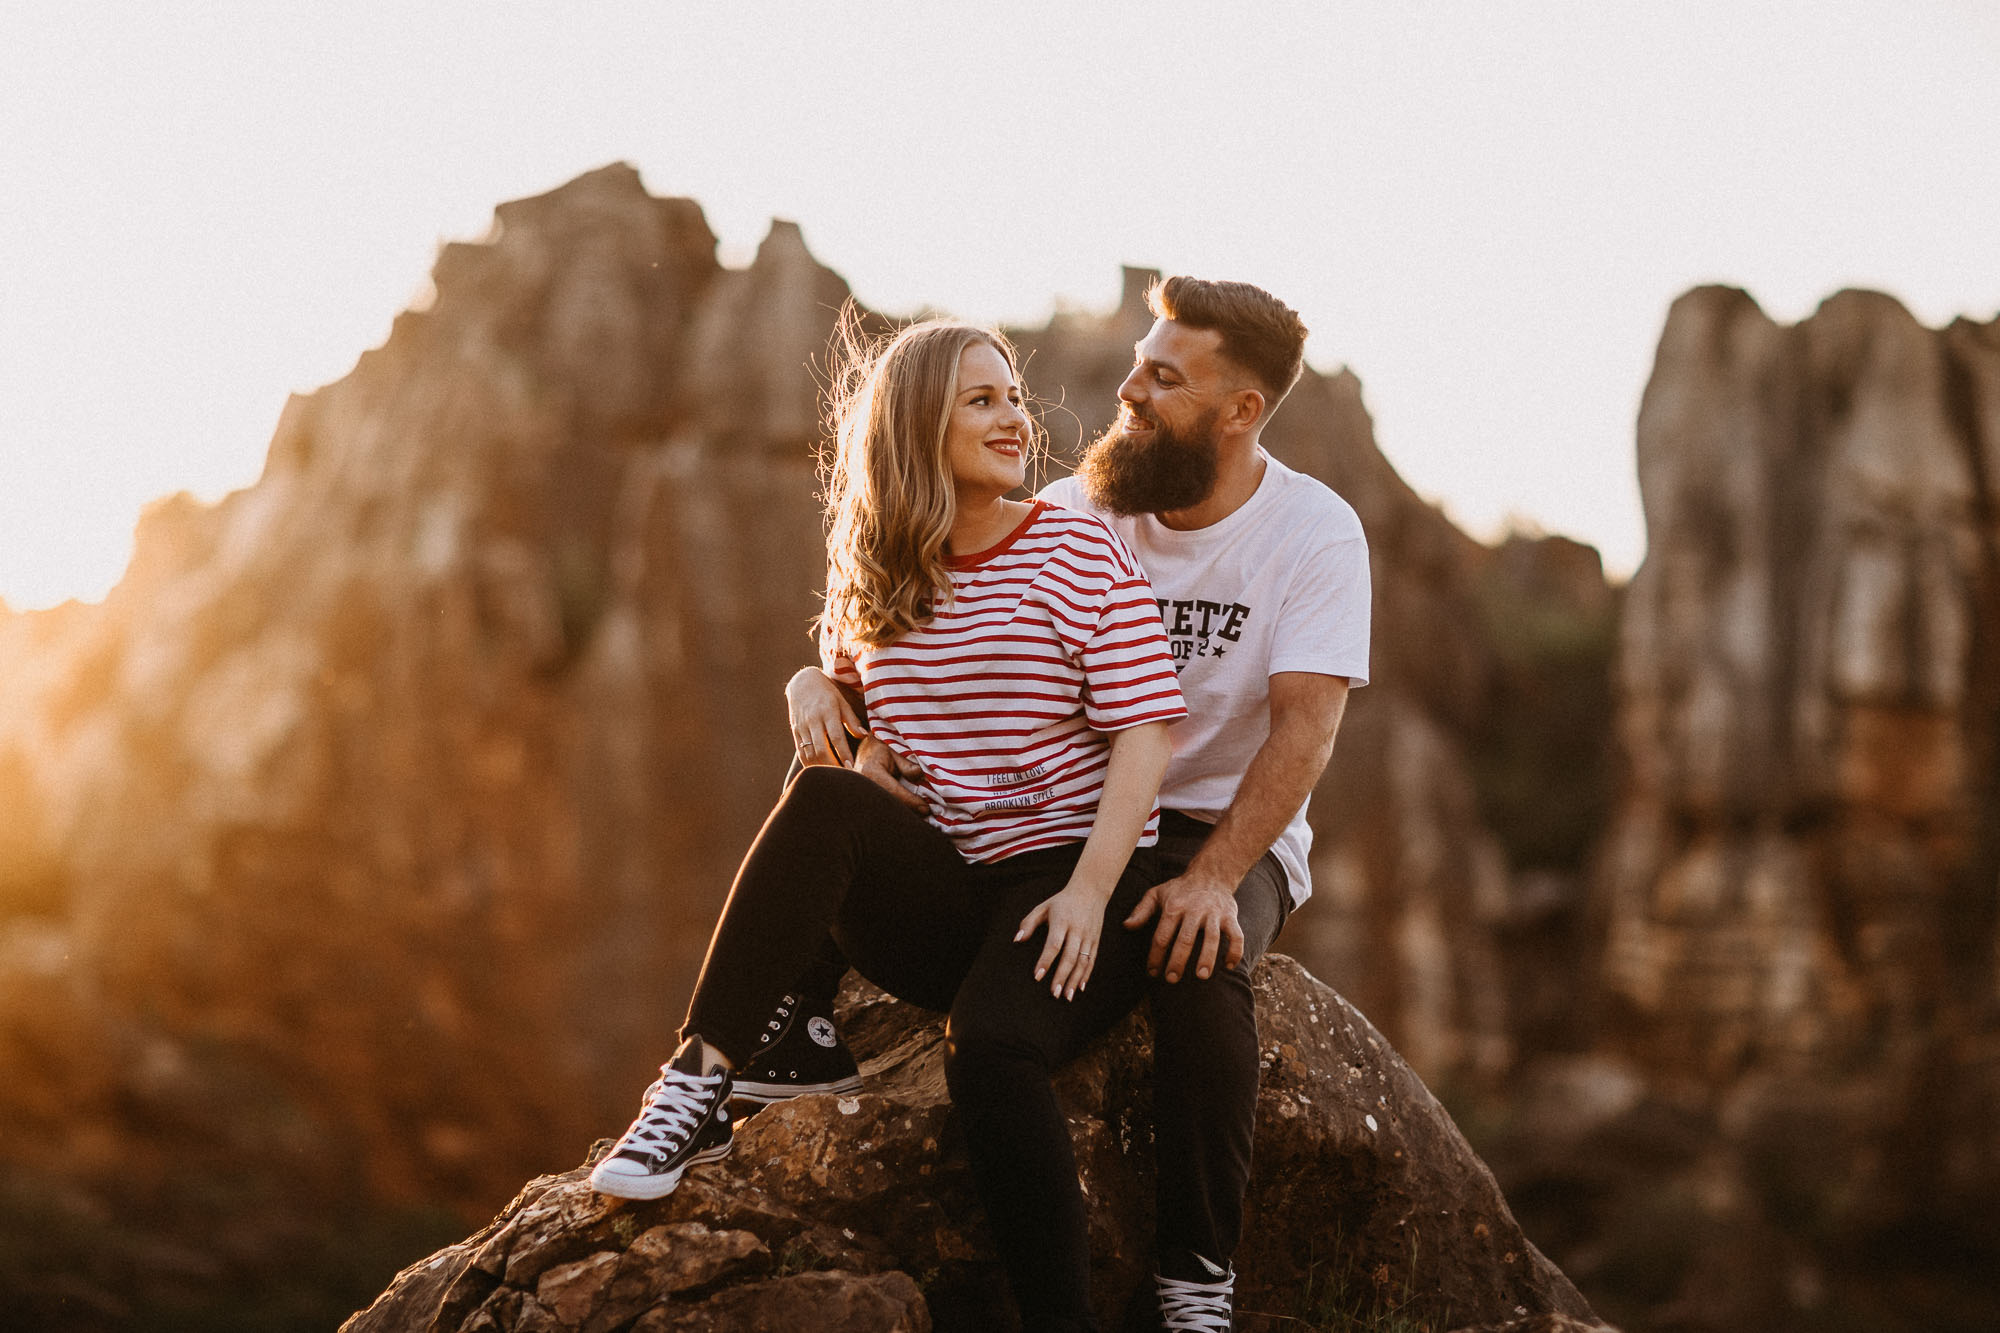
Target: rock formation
(1797, 1093)
(361, 846)
(382, 807)
(858, 1214)
(1810, 680)
(357, 852)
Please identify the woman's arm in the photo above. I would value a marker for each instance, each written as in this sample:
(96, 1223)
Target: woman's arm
(1075, 916)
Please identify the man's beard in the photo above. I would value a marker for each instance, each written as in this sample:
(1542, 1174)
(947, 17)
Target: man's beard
(1151, 472)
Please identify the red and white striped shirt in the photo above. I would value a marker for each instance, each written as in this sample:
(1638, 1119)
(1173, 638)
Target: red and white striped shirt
(1050, 640)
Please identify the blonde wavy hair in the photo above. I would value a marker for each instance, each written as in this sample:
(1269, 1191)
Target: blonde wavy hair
(888, 489)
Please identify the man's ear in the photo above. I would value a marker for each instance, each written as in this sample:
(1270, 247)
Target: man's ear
(1243, 410)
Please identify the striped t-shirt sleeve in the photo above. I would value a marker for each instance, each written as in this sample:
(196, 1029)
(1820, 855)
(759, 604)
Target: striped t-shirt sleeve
(1121, 649)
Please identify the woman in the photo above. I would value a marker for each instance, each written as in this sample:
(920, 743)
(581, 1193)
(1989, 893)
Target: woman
(1011, 656)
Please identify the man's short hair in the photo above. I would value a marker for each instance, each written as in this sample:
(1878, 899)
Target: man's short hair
(1259, 332)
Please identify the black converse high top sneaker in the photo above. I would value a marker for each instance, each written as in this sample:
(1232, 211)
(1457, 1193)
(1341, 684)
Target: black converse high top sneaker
(798, 1052)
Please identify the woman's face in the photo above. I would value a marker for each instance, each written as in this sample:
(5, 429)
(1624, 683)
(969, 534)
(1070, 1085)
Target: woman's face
(986, 444)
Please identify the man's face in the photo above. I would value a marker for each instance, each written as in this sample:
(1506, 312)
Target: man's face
(1162, 453)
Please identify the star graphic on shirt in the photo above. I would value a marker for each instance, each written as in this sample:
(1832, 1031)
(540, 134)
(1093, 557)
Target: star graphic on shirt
(1220, 651)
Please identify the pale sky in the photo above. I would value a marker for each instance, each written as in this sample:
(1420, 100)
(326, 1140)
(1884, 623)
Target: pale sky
(1483, 210)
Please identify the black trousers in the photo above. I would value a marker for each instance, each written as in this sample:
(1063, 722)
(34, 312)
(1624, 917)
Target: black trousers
(841, 859)
(1205, 1068)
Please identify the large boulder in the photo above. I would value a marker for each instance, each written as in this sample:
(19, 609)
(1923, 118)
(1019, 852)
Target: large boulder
(858, 1212)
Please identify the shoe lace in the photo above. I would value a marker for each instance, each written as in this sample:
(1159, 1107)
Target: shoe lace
(1195, 1307)
(674, 1106)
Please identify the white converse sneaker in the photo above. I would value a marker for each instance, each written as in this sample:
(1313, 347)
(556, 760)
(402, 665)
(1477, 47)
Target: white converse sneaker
(684, 1121)
(1197, 1307)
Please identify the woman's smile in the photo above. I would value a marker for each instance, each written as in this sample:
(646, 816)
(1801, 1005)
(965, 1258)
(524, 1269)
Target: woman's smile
(987, 441)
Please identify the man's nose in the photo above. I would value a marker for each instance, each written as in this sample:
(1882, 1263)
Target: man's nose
(1132, 390)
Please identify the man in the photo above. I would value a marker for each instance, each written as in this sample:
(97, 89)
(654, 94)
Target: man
(1262, 578)
(1261, 574)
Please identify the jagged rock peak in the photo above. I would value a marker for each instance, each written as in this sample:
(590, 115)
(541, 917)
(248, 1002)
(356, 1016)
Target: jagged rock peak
(1135, 282)
(784, 240)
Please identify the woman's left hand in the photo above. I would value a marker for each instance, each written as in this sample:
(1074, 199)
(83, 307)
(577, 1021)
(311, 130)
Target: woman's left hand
(1075, 921)
(822, 719)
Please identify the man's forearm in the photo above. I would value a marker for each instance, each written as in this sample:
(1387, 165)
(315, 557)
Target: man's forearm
(1281, 775)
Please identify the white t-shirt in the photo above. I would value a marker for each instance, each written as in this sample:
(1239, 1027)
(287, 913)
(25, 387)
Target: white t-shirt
(1279, 585)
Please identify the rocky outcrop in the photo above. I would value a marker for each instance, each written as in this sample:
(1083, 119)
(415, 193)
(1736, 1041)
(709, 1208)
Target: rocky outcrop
(857, 1213)
(1809, 682)
(1800, 1065)
(377, 816)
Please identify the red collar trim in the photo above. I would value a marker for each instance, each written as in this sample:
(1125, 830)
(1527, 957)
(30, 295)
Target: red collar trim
(978, 558)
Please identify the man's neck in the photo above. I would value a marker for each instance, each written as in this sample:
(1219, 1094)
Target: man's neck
(1238, 474)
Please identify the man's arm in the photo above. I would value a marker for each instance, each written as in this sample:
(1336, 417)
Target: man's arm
(1199, 907)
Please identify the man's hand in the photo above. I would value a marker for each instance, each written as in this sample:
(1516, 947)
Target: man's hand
(1198, 910)
(1195, 913)
(886, 769)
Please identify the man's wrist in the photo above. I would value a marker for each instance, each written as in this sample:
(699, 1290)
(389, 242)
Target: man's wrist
(1211, 874)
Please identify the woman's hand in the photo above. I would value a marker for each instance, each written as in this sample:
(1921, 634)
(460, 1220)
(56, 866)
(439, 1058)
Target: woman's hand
(822, 717)
(1075, 917)
(1075, 920)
